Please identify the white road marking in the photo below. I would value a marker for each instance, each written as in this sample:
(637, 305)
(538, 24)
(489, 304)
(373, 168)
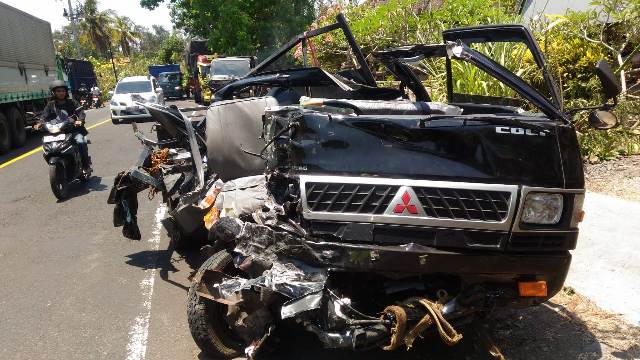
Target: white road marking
(139, 333)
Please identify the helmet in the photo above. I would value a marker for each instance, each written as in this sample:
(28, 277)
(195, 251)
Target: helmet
(58, 83)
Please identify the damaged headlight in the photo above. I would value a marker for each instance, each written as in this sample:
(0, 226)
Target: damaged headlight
(542, 208)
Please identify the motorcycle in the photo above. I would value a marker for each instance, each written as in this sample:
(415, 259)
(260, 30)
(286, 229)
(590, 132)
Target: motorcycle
(62, 154)
(83, 103)
(95, 101)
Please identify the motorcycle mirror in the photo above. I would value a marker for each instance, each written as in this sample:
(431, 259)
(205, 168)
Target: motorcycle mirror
(602, 120)
(610, 84)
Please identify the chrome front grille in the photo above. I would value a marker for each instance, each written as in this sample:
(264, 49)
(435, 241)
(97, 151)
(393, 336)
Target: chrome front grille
(349, 198)
(408, 202)
(482, 205)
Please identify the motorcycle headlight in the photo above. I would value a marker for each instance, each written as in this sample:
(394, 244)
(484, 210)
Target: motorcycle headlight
(153, 99)
(54, 129)
(542, 208)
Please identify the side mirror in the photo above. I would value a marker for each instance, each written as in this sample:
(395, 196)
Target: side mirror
(110, 93)
(610, 84)
(602, 120)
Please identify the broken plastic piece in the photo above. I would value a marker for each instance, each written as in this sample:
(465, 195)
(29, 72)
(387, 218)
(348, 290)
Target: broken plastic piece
(243, 196)
(210, 197)
(211, 217)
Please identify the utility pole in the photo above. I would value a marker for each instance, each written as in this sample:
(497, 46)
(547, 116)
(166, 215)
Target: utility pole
(113, 64)
(73, 17)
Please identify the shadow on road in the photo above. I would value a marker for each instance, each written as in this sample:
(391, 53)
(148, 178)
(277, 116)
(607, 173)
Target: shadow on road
(79, 188)
(165, 259)
(548, 331)
(34, 140)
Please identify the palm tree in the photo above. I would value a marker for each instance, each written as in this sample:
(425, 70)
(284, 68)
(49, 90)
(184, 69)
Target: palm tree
(97, 25)
(125, 34)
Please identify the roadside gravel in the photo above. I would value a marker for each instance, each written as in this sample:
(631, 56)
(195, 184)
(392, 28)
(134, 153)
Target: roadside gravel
(620, 178)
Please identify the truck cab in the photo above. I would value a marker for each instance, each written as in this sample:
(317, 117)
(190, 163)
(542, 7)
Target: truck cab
(224, 70)
(171, 84)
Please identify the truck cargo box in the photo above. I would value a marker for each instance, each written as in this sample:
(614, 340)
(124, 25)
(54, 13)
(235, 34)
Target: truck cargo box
(79, 72)
(155, 70)
(27, 56)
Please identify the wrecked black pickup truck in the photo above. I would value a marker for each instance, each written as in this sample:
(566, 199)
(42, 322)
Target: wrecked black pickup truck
(369, 215)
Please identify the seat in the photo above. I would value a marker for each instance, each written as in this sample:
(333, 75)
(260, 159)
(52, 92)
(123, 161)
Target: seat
(234, 126)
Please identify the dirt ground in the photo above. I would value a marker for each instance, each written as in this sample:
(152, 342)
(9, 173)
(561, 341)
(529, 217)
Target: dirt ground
(619, 177)
(569, 326)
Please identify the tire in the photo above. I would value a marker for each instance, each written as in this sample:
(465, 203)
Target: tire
(58, 181)
(208, 329)
(5, 134)
(114, 121)
(17, 123)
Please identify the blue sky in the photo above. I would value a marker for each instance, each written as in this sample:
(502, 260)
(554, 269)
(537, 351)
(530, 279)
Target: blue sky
(51, 11)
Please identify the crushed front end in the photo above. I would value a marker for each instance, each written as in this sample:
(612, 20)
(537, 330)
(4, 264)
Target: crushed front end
(349, 235)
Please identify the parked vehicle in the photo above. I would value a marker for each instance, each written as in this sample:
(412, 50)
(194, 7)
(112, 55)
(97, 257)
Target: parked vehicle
(224, 70)
(61, 153)
(79, 76)
(129, 93)
(27, 64)
(171, 84)
(365, 217)
(156, 70)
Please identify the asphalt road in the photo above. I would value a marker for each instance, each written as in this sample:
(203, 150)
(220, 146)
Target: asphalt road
(73, 287)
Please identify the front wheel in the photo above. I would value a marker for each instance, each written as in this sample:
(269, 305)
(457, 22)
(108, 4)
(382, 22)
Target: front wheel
(207, 321)
(58, 180)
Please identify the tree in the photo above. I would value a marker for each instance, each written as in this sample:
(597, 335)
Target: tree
(125, 34)
(96, 25)
(242, 27)
(150, 41)
(171, 49)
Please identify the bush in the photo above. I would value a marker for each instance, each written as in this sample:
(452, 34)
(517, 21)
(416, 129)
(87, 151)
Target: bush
(135, 65)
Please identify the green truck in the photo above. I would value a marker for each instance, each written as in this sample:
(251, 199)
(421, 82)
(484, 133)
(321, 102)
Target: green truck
(27, 66)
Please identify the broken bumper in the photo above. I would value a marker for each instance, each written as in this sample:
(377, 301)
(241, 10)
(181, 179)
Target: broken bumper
(501, 269)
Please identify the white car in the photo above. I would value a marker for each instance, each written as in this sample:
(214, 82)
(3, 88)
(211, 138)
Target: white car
(132, 90)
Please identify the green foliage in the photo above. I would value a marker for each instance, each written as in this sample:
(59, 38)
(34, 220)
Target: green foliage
(171, 50)
(137, 64)
(572, 44)
(242, 27)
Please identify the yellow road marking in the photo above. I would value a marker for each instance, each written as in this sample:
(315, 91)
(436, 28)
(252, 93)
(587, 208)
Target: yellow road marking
(39, 148)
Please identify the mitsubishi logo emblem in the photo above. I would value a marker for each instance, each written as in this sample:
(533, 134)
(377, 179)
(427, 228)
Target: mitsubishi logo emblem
(405, 203)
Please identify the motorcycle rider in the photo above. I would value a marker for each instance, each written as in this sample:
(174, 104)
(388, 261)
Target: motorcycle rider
(83, 93)
(61, 105)
(95, 91)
